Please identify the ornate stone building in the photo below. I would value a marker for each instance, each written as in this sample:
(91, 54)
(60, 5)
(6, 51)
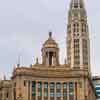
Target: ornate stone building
(51, 80)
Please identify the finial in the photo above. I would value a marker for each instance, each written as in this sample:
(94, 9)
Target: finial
(65, 61)
(1, 75)
(19, 58)
(18, 65)
(50, 34)
(37, 61)
(31, 65)
(14, 68)
(4, 77)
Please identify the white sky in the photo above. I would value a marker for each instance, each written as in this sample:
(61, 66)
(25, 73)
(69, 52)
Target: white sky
(24, 26)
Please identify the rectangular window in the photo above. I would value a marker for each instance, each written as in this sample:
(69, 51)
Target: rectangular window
(65, 92)
(45, 90)
(85, 52)
(24, 83)
(39, 90)
(58, 88)
(52, 90)
(33, 90)
(76, 52)
(71, 91)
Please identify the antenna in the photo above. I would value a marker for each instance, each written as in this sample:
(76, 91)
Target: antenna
(18, 63)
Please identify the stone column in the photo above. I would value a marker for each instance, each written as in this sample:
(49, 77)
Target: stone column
(30, 90)
(54, 90)
(48, 90)
(42, 90)
(81, 54)
(3, 96)
(67, 91)
(36, 90)
(74, 91)
(26, 89)
(12, 93)
(61, 90)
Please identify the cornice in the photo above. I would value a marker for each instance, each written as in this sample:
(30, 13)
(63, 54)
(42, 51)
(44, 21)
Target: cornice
(50, 72)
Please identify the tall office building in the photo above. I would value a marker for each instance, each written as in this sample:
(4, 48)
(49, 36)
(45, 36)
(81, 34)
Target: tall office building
(96, 82)
(51, 80)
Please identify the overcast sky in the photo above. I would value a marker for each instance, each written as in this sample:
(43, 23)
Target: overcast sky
(24, 26)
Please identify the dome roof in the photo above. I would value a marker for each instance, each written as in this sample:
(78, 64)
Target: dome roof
(50, 42)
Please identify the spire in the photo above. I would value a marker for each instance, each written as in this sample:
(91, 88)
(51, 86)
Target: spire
(50, 34)
(19, 56)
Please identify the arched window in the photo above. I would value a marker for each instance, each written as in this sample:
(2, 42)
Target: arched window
(50, 58)
(84, 27)
(76, 27)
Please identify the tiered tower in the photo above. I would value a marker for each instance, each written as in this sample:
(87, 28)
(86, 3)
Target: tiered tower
(78, 44)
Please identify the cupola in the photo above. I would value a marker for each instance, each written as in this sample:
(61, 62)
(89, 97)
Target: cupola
(50, 52)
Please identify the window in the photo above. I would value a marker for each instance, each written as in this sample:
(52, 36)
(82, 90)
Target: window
(45, 85)
(97, 88)
(69, 29)
(71, 91)
(39, 93)
(33, 84)
(58, 94)
(76, 28)
(39, 90)
(33, 88)
(65, 85)
(85, 52)
(39, 85)
(51, 90)
(50, 58)
(45, 94)
(24, 83)
(51, 94)
(76, 52)
(15, 84)
(7, 95)
(45, 89)
(51, 85)
(58, 86)
(65, 92)
(75, 5)
(84, 27)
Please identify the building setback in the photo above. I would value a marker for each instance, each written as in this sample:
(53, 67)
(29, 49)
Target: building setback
(51, 80)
